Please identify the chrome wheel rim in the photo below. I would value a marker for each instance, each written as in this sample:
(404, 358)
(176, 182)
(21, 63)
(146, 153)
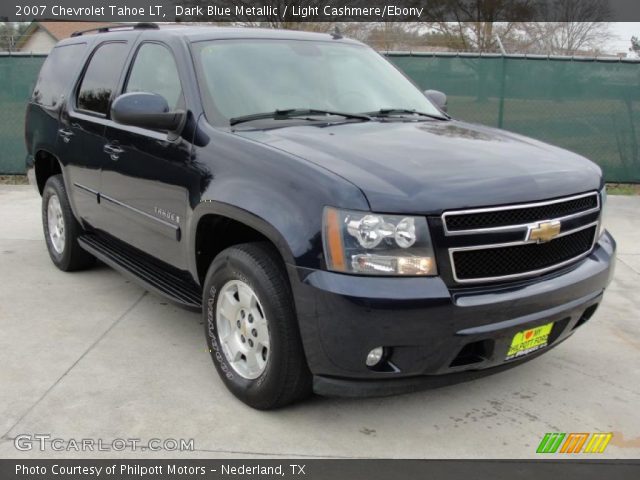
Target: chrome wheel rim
(55, 222)
(243, 329)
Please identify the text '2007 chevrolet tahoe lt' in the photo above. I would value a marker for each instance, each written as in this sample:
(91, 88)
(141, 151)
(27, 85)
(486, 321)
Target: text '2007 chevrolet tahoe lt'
(338, 230)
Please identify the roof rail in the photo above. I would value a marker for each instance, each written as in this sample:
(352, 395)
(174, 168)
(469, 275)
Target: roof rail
(108, 28)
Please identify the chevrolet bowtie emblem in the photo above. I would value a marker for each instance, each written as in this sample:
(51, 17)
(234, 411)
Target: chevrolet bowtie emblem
(544, 231)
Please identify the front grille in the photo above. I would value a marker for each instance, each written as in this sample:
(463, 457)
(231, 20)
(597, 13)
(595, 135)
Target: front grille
(494, 262)
(499, 243)
(501, 217)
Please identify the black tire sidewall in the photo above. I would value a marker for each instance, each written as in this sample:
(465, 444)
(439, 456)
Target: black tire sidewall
(260, 391)
(54, 187)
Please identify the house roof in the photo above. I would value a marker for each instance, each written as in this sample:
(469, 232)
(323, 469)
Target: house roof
(58, 30)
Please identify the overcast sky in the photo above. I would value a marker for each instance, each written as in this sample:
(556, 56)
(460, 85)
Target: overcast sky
(623, 32)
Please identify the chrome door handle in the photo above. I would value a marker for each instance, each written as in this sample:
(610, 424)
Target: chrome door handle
(65, 134)
(113, 151)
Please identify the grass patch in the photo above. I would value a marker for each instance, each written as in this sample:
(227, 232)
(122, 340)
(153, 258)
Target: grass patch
(623, 189)
(13, 180)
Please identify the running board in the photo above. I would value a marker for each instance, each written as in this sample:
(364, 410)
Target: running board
(148, 274)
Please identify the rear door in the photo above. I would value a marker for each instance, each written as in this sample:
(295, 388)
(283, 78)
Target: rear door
(145, 185)
(82, 126)
(58, 72)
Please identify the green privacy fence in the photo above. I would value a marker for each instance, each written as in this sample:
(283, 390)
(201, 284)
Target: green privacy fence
(589, 106)
(18, 75)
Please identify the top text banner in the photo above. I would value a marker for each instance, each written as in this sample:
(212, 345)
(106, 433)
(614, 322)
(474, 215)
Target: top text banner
(278, 11)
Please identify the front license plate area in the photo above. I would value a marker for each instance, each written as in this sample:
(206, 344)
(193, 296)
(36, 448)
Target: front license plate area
(528, 341)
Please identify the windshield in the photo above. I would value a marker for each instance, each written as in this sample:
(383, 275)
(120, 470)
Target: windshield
(248, 77)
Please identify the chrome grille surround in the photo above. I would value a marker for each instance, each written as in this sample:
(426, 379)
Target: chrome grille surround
(523, 206)
(525, 228)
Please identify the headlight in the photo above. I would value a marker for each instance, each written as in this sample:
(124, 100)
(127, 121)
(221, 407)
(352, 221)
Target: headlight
(603, 211)
(372, 244)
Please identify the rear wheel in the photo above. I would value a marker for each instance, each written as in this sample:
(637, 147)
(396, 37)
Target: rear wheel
(61, 229)
(251, 327)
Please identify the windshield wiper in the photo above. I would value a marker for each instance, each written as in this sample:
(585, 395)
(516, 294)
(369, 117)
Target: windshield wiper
(386, 112)
(295, 112)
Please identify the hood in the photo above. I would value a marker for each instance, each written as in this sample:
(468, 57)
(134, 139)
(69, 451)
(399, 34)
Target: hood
(430, 166)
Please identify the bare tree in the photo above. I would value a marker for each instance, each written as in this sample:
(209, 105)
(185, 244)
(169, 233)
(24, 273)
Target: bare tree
(579, 26)
(474, 24)
(389, 36)
(635, 47)
(10, 33)
(562, 38)
(476, 36)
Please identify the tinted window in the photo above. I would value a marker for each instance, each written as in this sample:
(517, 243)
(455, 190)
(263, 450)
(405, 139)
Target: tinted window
(57, 73)
(101, 77)
(155, 71)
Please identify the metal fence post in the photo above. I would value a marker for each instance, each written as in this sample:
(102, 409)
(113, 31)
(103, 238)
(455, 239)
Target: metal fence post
(503, 80)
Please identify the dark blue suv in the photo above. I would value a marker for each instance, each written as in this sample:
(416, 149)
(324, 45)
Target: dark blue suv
(338, 230)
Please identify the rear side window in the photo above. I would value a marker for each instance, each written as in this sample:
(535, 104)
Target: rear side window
(155, 71)
(101, 77)
(57, 73)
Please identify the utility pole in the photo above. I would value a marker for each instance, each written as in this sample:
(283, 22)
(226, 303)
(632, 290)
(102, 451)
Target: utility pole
(502, 50)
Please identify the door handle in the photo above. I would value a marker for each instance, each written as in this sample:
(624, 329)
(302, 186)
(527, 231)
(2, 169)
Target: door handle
(65, 134)
(113, 151)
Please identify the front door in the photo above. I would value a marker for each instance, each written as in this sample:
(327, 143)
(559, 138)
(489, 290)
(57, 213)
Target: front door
(147, 177)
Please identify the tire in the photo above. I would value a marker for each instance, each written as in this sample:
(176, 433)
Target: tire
(282, 376)
(61, 229)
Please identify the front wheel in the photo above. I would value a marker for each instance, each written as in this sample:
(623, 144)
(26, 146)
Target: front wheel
(251, 327)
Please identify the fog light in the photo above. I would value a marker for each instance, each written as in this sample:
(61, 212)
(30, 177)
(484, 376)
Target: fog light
(374, 356)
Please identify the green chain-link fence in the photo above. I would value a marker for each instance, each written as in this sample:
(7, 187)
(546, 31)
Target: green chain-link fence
(18, 75)
(589, 106)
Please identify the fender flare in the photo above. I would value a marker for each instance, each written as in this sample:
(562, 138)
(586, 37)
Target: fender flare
(31, 171)
(214, 207)
(31, 162)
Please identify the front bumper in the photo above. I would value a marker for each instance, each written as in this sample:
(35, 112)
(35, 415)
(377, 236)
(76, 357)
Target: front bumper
(435, 335)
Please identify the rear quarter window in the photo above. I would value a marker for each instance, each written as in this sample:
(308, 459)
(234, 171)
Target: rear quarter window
(57, 74)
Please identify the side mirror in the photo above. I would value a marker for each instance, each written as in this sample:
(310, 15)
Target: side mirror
(438, 98)
(146, 110)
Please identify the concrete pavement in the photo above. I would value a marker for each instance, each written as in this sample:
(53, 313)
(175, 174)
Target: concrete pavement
(91, 355)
